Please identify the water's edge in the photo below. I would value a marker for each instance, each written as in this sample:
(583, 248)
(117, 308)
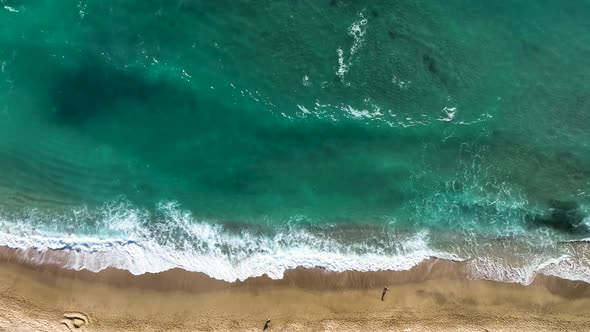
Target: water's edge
(313, 279)
(96, 255)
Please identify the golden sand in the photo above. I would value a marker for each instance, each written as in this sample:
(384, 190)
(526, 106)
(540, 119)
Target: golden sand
(434, 296)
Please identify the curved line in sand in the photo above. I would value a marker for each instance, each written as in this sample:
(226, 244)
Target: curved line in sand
(74, 320)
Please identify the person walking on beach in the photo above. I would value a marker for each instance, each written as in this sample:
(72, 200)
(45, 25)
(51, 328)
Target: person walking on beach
(385, 289)
(266, 325)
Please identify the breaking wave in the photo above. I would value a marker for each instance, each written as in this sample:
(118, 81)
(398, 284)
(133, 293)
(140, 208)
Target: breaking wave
(136, 240)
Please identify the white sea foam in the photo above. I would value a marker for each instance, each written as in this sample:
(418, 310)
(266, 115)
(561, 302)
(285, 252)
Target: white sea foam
(357, 31)
(11, 9)
(180, 241)
(146, 256)
(82, 9)
(355, 113)
(450, 113)
(304, 109)
(208, 248)
(401, 84)
(565, 266)
(568, 267)
(305, 81)
(342, 65)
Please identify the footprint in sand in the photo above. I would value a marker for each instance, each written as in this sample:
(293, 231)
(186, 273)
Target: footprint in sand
(75, 320)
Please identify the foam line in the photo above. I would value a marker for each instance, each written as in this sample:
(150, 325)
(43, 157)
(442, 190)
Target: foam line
(179, 241)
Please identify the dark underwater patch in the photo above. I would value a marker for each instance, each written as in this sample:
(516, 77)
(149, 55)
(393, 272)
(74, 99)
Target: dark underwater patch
(93, 88)
(563, 216)
(392, 34)
(431, 64)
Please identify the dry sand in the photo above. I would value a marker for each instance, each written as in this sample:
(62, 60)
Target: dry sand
(434, 296)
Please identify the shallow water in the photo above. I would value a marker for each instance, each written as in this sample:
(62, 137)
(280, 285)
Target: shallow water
(243, 138)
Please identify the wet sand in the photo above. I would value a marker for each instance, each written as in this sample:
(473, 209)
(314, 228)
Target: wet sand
(434, 296)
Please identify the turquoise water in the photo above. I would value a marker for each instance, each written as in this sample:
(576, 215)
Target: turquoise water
(238, 138)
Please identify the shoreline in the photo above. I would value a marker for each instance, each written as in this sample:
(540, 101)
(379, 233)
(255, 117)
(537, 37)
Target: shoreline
(433, 296)
(511, 260)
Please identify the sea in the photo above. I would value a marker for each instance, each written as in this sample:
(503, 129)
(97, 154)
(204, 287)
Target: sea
(248, 137)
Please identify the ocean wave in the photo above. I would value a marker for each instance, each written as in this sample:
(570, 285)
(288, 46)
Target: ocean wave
(142, 244)
(179, 241)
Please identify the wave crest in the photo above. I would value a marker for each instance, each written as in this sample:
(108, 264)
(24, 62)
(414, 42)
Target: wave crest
(136, 240)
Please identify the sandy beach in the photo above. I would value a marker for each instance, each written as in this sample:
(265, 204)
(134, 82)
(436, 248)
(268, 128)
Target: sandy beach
(208, 165)
(433, 296)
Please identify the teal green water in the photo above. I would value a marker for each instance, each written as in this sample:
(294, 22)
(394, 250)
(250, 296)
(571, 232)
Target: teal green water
(463, 118)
